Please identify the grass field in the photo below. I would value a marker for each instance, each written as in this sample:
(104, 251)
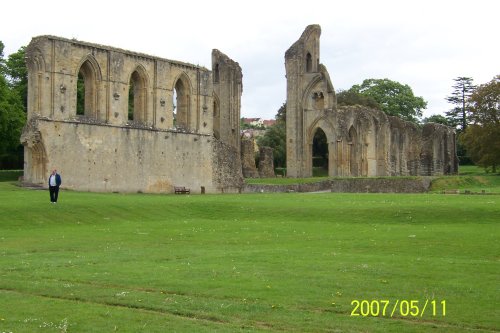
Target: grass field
(251, 263)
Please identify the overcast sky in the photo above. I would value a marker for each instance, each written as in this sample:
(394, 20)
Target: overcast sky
(425, 44)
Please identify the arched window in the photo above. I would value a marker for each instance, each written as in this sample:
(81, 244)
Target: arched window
(308, 63)
(320, 153)
(216, 73)
(137, 97)
(181, 103)
(216, 118)
(86, 93)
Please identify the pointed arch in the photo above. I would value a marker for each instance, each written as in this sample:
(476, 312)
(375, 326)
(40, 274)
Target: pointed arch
(88, 75)
(138, 92)
(35, 63)
(308, 63)
(325, 145)
(216, 118)
(216, 73)
(182, 94)
(320, 152)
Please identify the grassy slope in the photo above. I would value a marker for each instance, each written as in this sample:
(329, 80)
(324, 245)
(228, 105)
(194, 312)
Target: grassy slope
(282, 262)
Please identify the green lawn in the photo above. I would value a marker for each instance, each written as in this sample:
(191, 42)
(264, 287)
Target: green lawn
(252, 263)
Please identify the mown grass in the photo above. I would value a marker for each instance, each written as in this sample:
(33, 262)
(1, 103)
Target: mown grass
(257, 262)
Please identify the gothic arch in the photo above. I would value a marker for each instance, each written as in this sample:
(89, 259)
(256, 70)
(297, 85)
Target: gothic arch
(325, 125)
(88, 76)
(308, 62)
(307, 98)
(183, 88)
(36, 67)
(216, 116)
(216, 73)
(138, 95)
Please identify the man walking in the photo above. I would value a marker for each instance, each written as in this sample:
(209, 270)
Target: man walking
(54, 183)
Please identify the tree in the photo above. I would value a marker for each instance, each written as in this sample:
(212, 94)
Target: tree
(394, 98)
(18, 74)
(353, 97)
(436, 118)
(12, 119)
(463, 89)
(482, 136)
(275, 137)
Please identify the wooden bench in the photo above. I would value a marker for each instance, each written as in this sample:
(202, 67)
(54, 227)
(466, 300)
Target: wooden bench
(181, 190)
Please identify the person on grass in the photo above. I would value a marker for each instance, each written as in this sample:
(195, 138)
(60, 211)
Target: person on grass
(54, 183)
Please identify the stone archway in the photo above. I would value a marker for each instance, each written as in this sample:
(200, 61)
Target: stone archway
(182, 105)
(320, 153)
(138, 92)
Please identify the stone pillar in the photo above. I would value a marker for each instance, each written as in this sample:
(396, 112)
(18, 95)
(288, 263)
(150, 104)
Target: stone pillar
(248, 159)
(266, 164)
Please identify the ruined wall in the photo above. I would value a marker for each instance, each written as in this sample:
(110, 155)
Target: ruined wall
(361, 141)
(248, 159)
(266, 162)
(228, 87)
(109, 147)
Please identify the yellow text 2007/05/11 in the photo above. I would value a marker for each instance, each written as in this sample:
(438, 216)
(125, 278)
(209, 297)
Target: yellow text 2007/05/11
(400, 308)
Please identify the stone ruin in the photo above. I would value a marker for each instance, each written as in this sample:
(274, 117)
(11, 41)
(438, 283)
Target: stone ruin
(361, 141)
(266, 162)
(112, 120)
(145, 124)
(248, 158)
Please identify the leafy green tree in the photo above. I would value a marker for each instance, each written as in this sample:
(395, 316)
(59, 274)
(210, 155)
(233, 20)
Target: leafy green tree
(18, 74)
(482, 136)
(438, 119)
(275, 137)
(394, 98)
(12, 119)
(353, 97)
(463, 89)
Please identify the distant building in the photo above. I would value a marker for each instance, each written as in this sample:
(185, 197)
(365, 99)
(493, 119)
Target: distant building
(268, 123)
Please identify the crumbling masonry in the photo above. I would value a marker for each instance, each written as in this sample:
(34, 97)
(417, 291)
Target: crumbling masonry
(125, 138)
(361, 141)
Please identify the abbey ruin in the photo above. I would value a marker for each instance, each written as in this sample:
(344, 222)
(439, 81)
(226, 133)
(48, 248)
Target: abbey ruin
(126, 138)
(361, 141)
(112, 120)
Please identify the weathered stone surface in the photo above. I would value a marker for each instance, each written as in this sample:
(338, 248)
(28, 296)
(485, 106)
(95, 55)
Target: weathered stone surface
(266, 162)
(248, 158)
(353, 185)
(361, 141)
(108, 149)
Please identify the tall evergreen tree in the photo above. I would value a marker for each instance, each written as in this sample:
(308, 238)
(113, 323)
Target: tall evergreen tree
(462, 90)
(482, 136)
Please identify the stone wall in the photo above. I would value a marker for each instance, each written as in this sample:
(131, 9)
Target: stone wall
(361, 141)
(248, 158)
(107, 158)
(266, 162)
(352, 185)
(109, 147)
